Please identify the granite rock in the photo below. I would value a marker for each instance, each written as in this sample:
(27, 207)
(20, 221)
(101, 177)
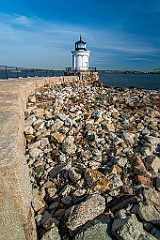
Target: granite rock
(149, 213)
(38, 199)
(77, 215)
(130, 228)
(68, 145)
(94, 150)
(98, 229)
(52, 234)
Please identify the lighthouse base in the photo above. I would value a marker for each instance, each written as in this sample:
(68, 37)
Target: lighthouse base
(86, 77)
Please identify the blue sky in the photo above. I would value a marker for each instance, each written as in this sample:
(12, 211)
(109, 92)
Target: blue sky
(121, 34)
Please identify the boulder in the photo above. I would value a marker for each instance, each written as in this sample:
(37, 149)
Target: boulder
(79, 214)
(68, 145)
(38, 199)
(130, 228)
(96, 180)
(153, 164)
(48, 221)
(39, 112)
(98, 229)
(149, 213)
(35, 152)
(57, 137)
(57, 125)
(52, 234)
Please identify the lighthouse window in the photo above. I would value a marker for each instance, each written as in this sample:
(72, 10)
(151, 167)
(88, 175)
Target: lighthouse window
(81, 46)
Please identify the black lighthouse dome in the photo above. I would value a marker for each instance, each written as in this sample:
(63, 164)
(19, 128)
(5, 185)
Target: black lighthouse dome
(80, 45)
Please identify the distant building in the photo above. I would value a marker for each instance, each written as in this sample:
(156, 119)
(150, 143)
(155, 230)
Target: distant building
(80, 56)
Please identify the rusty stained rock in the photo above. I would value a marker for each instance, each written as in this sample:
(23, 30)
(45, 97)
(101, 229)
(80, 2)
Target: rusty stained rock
(57, 137)
(138, 165)
(96, 180)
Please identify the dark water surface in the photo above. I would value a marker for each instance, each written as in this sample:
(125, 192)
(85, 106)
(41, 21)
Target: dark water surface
(138, 80)
(122, 80)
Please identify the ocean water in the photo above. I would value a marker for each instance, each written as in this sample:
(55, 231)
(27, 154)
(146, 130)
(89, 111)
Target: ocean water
(138, 80)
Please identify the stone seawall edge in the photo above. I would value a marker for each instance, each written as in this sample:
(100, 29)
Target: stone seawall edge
(16, 215)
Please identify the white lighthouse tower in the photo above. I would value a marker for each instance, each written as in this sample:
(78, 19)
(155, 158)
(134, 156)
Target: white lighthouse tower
(80, 56)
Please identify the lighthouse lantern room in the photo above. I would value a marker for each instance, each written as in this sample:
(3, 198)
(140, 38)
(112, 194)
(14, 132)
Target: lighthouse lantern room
(80, 56)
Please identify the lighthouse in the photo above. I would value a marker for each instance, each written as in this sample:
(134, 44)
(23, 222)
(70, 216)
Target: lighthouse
(80, 56)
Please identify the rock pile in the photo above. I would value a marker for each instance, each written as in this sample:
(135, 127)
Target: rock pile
(93, 155)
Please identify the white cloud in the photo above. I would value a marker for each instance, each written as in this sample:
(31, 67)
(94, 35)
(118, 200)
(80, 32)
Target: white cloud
(136, 59)
(33, 42)
(118, 41)
(23, 20)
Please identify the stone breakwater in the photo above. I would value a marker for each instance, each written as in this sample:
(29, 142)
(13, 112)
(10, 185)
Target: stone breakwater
(93, 155)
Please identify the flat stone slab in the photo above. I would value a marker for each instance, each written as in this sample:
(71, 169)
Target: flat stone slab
(17, 220)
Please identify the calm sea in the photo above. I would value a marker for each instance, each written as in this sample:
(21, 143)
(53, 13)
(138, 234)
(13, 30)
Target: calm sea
(139, 80)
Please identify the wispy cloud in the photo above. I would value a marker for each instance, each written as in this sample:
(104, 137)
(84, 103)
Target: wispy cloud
(35, 42)
(120, 41)
(22, 20)
(136, 59)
